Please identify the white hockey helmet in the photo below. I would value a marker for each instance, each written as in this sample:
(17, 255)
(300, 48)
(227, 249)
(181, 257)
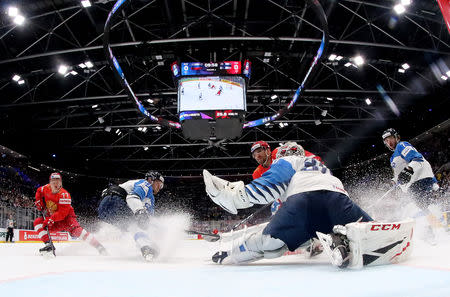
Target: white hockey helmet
(290, 148)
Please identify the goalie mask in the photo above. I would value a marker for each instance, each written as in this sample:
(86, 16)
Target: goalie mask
(290, 149)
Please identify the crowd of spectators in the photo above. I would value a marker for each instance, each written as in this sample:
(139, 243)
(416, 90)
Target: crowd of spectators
(14, 191)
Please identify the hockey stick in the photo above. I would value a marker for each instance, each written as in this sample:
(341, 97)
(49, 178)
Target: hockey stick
(47, 229)
(384, 196)
(248, 218)
(211, 237)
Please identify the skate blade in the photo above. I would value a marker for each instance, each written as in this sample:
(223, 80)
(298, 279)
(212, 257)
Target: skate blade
(149, 258)
(47, 255)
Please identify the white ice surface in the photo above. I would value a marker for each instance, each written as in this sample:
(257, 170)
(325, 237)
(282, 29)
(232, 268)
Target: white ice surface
(79, 271)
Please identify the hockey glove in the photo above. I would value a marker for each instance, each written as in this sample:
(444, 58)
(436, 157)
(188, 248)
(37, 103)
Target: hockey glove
(229, 196)
(142, 218)
(48, 223)
(39, 204)
(405, 176)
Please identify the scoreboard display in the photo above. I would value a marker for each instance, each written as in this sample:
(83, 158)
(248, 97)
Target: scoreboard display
(224, 68)
(211, 98)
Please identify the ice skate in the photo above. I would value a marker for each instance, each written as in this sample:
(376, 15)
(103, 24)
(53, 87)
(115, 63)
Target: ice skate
(48, 250)
(102, 251)
(337, 248)
(315, 248)
(219, 257)
(149, 254)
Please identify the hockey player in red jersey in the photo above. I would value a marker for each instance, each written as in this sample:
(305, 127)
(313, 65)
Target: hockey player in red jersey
(58, 215)
(264, 156)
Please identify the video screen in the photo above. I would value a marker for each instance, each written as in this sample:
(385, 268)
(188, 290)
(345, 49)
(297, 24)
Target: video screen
(211, 93)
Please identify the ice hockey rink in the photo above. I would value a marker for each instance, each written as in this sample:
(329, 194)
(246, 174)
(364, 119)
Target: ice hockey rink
(187, 271)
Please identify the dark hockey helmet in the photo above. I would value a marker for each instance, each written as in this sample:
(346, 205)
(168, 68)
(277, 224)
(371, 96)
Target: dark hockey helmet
(390, 132)
(154, 175)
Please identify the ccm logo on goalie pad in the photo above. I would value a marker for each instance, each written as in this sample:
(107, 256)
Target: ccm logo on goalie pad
(385, 227)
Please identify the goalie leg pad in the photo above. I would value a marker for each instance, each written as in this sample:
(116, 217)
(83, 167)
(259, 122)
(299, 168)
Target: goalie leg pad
(252, 247)
(377, 243)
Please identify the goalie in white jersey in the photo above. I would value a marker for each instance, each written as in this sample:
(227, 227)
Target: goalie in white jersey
(314, 202)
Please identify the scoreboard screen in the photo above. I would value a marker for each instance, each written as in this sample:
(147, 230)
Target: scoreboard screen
(213, 68)
(211, 93)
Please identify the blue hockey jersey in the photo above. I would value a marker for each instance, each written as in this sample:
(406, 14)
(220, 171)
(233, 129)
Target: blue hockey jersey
(140, 195)
(406, 155)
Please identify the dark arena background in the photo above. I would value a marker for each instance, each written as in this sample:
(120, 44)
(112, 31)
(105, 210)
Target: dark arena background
(94, 90)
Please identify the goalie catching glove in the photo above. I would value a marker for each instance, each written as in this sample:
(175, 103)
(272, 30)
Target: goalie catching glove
(231, 196)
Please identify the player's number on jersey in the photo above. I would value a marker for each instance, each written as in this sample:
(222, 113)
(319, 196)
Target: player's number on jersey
(314, 165)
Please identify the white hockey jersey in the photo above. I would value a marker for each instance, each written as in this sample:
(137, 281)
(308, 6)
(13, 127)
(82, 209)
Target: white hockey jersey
(292, 175)
(140, 195)
(406, 155)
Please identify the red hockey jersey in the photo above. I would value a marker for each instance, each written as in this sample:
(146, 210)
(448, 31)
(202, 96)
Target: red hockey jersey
(259, 171)
(58, 205)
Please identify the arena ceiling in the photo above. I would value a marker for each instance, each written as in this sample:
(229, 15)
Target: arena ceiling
(70, 121)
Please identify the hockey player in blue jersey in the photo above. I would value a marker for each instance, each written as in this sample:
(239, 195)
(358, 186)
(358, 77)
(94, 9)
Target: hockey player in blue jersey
(314, 202)
(411, 171)
(132, 203)
(414, 175)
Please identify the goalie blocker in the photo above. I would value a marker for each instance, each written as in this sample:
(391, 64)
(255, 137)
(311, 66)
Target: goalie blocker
(368, 244)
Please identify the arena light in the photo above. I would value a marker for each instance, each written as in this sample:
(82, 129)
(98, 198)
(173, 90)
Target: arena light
(444, 77)
(158, 57)
(86, 3)
(145, 148)
(358, 60)
(13, 11)
(267, 54)
(368, 101)
(19, 20)
(144, 129)
(101, 120)
(401, 70)
(73, 72)
(16, 77)
(266, 60)
(273, 97)
(88, 64)
(405, 2)
(94, 106)
(62, 69)
(158, 127)
(329, 99)
(348, 64)
(324, 113)
(405, 66)
(82, 65)
(108, 129)
(332, 57)
(317, 122)
(399, 8)
(150, 101)
(448, 73)
(21, 82)
(338, 58)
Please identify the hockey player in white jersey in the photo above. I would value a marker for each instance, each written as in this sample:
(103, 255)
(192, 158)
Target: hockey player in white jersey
(411, 170)
(314, 203)
(133, 202)
(414, 176)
